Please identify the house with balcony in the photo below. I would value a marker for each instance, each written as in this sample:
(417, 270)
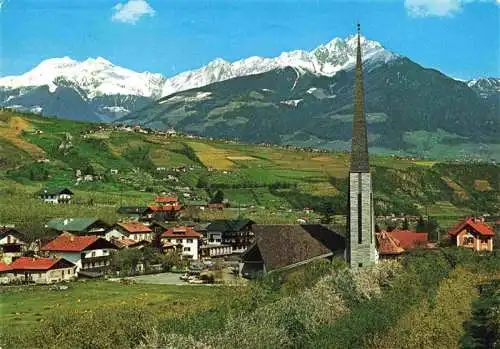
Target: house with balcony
(183, 240)
(78, 226)
(12, 244)
(236, 233)
(90, 253)
(473, 233)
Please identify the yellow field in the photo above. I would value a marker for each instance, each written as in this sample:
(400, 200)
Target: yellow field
(211, 156)
(241, 158)
(10, 131)
(425, 163)
(482, 185)
(459, 191)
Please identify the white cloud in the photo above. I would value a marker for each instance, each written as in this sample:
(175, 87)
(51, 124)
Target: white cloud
(440, 8)
(131, 11)
(3, 2)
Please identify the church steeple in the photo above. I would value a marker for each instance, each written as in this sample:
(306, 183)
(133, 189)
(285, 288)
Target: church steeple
(359, 147)
(361, 250)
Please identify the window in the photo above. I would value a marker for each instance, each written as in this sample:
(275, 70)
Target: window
(93, 254)
(360, 220)
(189, 241)
(360, 265)
(187, 249)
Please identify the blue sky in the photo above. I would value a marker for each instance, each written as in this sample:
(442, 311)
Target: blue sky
(458, 37)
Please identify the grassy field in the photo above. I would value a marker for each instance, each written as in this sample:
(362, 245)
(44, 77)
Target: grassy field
(26, 306)
(249, 175)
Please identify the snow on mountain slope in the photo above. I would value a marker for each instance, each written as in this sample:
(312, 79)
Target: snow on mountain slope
(94, 76)
(326, 59)
(485, 86)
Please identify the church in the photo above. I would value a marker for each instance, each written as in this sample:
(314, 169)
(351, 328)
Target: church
(280, 247)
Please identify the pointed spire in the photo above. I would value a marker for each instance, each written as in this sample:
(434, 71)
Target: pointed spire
(359, 146)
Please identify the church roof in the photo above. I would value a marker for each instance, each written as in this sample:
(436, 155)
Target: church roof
(359, 143)
(284, 245)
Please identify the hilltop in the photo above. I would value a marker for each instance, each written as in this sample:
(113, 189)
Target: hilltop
(37, 151)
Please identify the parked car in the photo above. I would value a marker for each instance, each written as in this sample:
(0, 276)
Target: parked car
(196, 281)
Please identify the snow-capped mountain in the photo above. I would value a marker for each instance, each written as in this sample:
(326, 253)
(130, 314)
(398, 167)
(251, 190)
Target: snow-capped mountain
(485, 87)
(338, 54)
(95, 76)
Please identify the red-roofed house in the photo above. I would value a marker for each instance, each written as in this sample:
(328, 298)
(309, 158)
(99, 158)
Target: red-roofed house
(410, 239)
(164, 208)
(183, 238)
(473, 233)
(90, 253)
(132, 230)
(43, 270)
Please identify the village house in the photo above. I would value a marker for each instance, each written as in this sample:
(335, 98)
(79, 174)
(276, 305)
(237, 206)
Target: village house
(284, 246)
(135, 231)
(165, 208)
(91, 254)
(12, 244)
(183, 239)
(473, 233)
(42, 270)
(56, 195)
(79, 226)
(236, 233)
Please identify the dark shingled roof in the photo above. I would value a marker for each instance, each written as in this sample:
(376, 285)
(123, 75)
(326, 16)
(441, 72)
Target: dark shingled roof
(228, 225)
(132, 210)
(282, 245)
(55, 191)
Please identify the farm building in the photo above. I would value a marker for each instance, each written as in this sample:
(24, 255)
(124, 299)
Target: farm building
(42, 270)
(56, 195)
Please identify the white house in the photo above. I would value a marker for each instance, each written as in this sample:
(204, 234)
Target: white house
(56, 195)
(183, 239)
(89, 253)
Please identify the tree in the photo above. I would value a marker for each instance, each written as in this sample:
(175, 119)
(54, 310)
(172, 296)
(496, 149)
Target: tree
(218, 197)
(420, 225)
(406, 224)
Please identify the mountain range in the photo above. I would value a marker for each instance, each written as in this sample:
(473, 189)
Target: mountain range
(299, 97)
